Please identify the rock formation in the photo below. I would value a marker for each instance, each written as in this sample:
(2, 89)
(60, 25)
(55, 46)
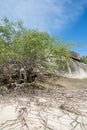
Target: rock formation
(76, 68)
(75, 56)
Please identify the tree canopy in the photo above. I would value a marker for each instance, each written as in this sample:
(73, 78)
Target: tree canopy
(37, 48)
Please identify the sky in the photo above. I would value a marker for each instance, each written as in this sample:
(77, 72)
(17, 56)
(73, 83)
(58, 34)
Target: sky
(66, 19)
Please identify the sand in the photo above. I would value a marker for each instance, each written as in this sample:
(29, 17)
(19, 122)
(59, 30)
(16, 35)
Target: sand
(55, 110)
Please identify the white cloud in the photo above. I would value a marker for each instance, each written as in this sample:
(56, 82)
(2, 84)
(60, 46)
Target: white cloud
(43, 14)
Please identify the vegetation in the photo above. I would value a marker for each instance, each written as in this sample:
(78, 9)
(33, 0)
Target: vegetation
(84, 59)
(31, 46)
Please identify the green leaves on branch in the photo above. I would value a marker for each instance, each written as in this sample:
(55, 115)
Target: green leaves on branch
(61, 54)
(38, 48)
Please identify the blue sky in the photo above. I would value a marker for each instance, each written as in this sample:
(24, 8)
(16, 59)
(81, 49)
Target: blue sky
(66, 19)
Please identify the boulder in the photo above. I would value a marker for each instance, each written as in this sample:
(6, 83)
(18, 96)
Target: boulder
(76, 56)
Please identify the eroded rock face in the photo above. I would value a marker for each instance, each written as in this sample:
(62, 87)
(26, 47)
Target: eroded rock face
(76, 68)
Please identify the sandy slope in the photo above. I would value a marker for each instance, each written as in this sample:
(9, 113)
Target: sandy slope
(61, 107)
(71, 83)
(63, 82)
(55, 110)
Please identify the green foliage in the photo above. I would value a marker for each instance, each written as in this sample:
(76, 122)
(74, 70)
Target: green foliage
(10, 32)
(61, 54)
(38, 48)
(84, 59)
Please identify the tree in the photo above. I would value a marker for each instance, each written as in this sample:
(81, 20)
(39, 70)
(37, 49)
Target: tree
(9, 32)
(38, 49)
(61, 54)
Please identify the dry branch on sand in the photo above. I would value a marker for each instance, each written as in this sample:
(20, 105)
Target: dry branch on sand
(59, 109)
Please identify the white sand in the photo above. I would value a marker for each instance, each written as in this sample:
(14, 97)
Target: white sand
(43, 113)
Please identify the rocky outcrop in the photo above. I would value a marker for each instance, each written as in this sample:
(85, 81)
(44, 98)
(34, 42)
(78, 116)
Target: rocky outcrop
(75, 56)
(76, 69)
